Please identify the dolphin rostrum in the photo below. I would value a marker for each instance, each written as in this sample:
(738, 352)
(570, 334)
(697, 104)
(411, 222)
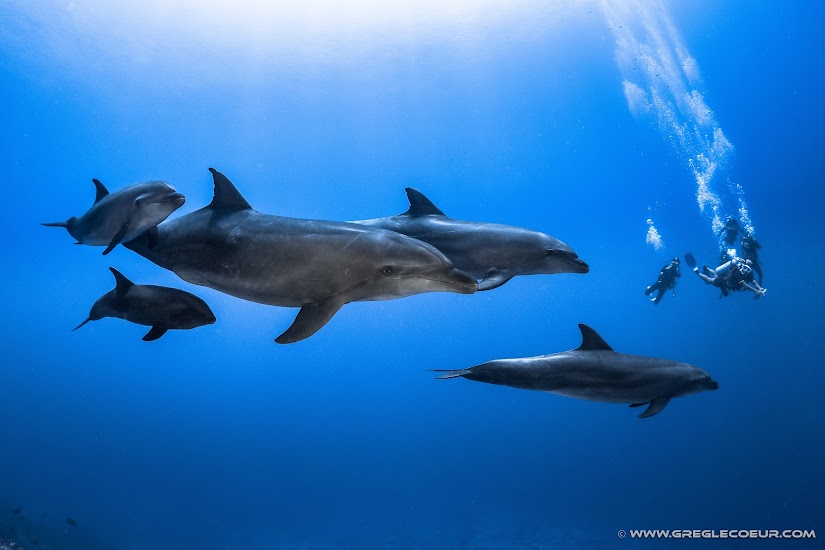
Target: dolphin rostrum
(159, 307)
(595, 372)
(315, 265)
(492, 252)
(123, 215)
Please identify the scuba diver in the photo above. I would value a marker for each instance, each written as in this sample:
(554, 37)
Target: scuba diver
(731, 230)
(668, 277)
(736, 274)
(749, 248)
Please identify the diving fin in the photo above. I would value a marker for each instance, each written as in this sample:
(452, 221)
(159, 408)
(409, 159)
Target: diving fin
(310, 320)
(690, 260)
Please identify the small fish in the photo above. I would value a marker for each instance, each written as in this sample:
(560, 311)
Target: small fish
(71, 522)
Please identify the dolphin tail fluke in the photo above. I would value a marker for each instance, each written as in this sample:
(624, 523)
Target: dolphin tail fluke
(69, 225)
(81, 324)
(310, 320)
(450, 373)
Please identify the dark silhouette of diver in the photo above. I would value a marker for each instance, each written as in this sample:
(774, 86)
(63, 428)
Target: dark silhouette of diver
(731, 229)
(736, 274)
(749, 252)
(668, 277)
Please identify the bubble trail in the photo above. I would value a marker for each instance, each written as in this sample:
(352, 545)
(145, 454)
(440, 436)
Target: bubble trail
(662, 83)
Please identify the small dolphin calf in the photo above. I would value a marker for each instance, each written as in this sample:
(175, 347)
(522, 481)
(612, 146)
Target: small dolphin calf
(123, 215)
(315, 265)
(595, 372)
(492, 252)
(159, 307)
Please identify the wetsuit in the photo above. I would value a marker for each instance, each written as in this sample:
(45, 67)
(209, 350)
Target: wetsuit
(667, 280)
(731, 230)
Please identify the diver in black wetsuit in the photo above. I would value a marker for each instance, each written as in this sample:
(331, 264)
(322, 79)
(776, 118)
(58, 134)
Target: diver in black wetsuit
(668, 277)
(731, 229)
(749, 252)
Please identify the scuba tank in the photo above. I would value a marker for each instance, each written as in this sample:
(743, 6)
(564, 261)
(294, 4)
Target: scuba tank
(725, 268)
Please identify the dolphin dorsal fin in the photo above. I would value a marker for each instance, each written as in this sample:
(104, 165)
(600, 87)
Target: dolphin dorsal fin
(122, 284)
(226, 195)
(100, 190)
(591, 341)
(420, 205)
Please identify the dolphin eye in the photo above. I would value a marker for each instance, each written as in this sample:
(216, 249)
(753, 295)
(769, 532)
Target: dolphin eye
(387, 270)
(550, 252)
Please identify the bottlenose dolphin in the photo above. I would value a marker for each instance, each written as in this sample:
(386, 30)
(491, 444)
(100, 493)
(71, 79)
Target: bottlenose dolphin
(491, 252)
(159, 307)
(123, 215)
(595, 372)
(316, 265)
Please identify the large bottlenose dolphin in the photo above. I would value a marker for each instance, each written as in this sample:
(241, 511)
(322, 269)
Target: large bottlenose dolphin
(316, 265)
(159, 307)
(123, 215)
(492, 252)
(595, 372)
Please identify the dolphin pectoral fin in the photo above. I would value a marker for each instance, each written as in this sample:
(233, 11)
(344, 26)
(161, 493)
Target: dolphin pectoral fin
(117, 238)
(310, 320)
(494, 279)
(191, 276)
(154, 333)
(655, 407)
(152, 237)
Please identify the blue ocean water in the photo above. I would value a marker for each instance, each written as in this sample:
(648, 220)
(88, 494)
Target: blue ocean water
(564, 117)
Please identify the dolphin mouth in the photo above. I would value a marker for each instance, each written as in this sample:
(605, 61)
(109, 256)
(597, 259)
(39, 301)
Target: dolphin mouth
(580, 266)
(463, 283)
(174, 197)
(713, 385)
